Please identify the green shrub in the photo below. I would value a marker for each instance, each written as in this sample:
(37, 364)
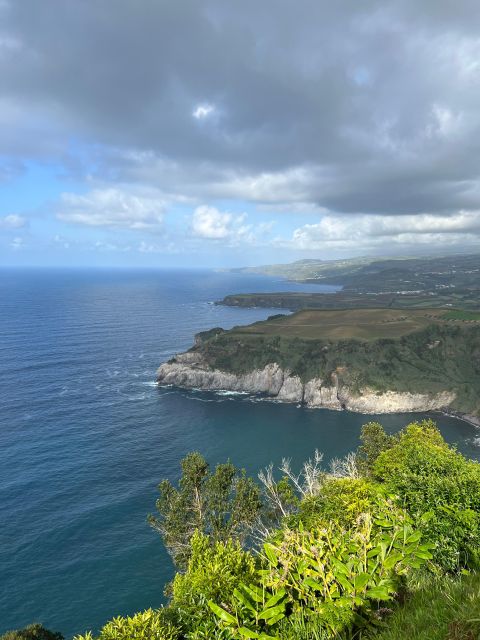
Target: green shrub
(213, 573)
(222, 504)
(428, 475)
(147, 625)
(342, 501)
(327, 577)
(32, 632)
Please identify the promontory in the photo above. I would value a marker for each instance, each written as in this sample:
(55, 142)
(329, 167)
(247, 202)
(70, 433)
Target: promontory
(364, 360)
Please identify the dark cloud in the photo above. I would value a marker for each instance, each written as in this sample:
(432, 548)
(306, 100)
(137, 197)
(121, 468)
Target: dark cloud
(357, 107)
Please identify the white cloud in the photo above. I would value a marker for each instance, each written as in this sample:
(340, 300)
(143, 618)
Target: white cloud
(202, 111)
(13, 221)
(112, 207)
(111, 246)
(354, 231)
(209, 222)
(17, 243)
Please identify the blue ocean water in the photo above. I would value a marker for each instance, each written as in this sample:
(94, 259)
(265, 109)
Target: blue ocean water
(85, 435)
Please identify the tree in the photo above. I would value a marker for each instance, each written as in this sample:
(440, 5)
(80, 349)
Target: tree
(374, 441)
(222, 505)
(32, 632)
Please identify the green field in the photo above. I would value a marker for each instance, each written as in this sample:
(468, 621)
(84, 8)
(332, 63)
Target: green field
(345, 324)
(460, 314)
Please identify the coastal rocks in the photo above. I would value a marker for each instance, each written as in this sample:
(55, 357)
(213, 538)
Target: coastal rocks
(318, 395)
(370, 401)
(291, 389)
(189, 370)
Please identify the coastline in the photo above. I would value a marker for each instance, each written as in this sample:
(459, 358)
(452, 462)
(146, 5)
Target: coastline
(469, 419)
(190, 371)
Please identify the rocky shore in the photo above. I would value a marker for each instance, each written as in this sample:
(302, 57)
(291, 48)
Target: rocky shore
(190, 371)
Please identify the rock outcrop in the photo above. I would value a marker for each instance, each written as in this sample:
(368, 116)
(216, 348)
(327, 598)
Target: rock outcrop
(189, 370)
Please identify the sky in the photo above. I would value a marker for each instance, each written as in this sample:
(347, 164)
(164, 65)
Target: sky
(211, 133)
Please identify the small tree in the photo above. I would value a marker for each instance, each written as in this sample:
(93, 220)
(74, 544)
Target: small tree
(374, 441)
(32, 632)
(222, 505)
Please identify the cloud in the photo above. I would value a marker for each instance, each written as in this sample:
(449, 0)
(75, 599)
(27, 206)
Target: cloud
(394, 133)
(203, 111)
(13, 221)
(208, 222)
(312, 117)
(111, 207)
(372, 231)
(17, 244)
(231, 229)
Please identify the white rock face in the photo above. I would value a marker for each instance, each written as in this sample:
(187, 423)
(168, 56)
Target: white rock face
(395, 402)
(189, 370)
(291, 389)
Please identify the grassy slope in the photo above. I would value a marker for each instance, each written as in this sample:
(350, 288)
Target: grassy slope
(442, 356)
(444, 609)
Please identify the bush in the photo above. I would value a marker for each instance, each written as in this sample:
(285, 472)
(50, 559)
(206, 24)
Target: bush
(213, 572)
(32, 632)
(147, 625)
(342, 501)
(327, 577)
(430, 476)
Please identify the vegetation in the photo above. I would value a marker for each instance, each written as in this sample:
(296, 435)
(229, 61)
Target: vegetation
(383, 544)
(32, 632)
(441, 608)
(443, 356)
(430, 274)
(223, 505)
(449, 281)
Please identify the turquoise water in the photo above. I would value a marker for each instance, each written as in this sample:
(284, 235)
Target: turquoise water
(85, 435)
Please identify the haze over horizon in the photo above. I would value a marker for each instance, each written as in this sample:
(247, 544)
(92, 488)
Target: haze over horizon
(217, 134)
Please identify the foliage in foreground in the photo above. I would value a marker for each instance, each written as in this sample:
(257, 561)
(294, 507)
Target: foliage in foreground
(32, 632)
(222, 504)
(343, 545)
(332, 576)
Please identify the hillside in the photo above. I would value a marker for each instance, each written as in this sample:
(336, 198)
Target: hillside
(371, 361)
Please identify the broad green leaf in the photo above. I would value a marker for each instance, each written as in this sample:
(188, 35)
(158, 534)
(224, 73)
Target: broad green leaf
(266, 614)
(275, 598)
(313, 584)
(221, 613)
(415, 537)
(243, 598)
(378, 593)
(246, 633)
(361, 581)
(275, 619)
(254, 592)
(270, 552)
(424, 555)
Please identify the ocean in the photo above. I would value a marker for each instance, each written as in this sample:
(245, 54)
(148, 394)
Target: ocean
(86, 436)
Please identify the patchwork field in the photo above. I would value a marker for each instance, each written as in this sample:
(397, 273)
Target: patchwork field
(362, 324)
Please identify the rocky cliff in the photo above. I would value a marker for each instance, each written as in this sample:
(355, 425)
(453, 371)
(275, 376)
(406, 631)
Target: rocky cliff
(190, 370)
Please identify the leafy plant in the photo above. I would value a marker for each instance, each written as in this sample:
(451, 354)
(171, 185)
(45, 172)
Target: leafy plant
(331, 575)
(147, 625)
(213, 573)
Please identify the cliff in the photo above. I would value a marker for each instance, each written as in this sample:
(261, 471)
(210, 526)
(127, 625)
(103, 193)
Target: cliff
(190, 370)
(436, 367)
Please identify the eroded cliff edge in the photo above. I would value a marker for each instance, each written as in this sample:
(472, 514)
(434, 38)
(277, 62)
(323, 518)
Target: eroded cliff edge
(368, 361)
(190, 370)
